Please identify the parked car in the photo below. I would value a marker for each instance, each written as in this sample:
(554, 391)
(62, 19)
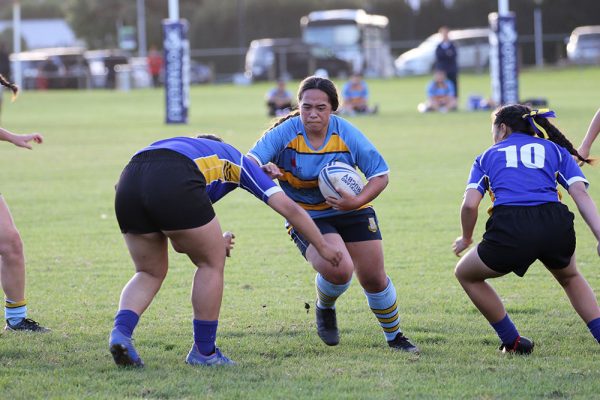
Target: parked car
(200, 73)
(102, 66)
(54, 68)
(270, 59)
(472, 46)
(583, 46)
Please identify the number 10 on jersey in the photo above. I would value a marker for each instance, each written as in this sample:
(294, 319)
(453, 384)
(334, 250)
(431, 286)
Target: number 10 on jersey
(532, 155)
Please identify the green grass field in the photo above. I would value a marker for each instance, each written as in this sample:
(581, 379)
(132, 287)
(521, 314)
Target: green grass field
(61, 196)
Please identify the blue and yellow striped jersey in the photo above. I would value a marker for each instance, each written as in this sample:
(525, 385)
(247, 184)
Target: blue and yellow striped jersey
(222, 165)
(288, 147)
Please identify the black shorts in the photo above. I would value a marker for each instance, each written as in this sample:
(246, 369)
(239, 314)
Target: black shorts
(516, 236)
(356, 226)
(161, 190)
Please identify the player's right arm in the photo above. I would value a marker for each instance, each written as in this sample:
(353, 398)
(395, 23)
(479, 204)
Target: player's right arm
(305, 225)
(590, 136)
(20, 140)
(468, 218)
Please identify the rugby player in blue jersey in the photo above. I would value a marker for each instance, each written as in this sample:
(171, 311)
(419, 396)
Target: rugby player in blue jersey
(295, 150)
(527, 222)
(164, 194)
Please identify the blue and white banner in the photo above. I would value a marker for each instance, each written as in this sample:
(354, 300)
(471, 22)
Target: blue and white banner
(503, 58)
(176, 69)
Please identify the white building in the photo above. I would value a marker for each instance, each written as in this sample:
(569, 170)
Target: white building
(42, 33)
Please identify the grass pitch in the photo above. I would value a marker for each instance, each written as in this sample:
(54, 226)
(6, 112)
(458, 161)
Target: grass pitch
(61, 196)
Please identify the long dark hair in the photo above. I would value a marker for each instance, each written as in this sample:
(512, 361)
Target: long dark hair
(14, 88)
(313, 82)
(516, 117)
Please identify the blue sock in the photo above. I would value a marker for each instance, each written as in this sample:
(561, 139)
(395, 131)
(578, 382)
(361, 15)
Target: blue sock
(205, 335)
(327, 292)
(594, 326)
(126, 321)
(506, 330)
(15, 311)
(385, 307)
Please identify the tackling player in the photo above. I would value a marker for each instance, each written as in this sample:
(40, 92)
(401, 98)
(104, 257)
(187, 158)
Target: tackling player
(166, 193)
(528, 222)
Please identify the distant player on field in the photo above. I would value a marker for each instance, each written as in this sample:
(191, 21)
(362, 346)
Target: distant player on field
(300, 145)
(12, 258)
(166, 193)
(528, 222)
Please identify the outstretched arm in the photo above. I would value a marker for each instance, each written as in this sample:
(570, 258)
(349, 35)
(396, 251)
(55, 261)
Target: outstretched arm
(590, 136)
(587, 208)
(20, 140)
(468, 218)
(305, 225)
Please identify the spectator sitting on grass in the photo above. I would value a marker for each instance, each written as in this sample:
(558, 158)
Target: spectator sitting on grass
(441, 95)
(279, 100)
(355, 96)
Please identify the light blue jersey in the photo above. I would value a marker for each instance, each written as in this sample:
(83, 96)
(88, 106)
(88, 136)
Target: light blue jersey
(288, 147)
(222, 165)
(523, 170)
(436, 90)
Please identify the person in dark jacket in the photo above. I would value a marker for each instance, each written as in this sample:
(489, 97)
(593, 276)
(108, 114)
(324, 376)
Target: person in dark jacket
(445, 58)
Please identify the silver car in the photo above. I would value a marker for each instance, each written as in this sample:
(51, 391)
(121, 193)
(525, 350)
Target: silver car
(472, 46)
(583, 46)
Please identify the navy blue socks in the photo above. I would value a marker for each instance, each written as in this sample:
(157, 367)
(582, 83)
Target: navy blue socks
(126, 321)
(506, 330)
(205, 335)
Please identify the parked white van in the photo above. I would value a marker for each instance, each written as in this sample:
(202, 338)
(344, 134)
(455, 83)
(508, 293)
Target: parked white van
(472, 46)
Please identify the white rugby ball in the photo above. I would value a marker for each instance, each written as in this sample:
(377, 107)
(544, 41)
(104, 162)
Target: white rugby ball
(342, 176)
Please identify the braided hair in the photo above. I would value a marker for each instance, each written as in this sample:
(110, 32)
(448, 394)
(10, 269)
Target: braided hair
(14, 88)
(313, 82)
(516, 117)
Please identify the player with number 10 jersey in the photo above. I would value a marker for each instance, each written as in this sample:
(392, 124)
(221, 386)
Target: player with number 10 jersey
(527, 220)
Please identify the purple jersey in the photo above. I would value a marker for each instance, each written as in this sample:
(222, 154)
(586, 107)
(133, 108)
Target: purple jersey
(523, 170)
(223, 167)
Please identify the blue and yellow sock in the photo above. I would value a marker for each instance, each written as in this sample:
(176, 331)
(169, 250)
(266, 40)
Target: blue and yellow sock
(126, 321)
(385, 307)
(506, 330)
(327, 292)
(205, 336)
(15, 311)
(594, 327)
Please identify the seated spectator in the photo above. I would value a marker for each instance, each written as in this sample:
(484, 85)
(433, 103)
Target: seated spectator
(441, 95)
(279, 100)
(355, 97)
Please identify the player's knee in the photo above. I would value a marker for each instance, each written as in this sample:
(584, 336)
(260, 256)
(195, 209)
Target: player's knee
(11, 247)
(339, 275)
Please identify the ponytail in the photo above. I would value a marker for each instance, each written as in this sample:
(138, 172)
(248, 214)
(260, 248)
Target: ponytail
(14, 88)
(520, 118)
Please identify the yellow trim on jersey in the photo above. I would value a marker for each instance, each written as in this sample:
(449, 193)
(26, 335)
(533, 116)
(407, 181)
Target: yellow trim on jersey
(214, 168)
(334, 145)
(298, 183)
(387, 310)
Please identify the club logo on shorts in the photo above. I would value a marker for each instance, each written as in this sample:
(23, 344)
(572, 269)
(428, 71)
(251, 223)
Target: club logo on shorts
(372, 224)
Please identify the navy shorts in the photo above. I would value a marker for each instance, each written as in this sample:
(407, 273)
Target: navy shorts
(516, 236)
(356, 226)
(161, 190)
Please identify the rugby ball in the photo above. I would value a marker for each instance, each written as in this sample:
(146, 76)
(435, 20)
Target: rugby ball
(342, 176)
